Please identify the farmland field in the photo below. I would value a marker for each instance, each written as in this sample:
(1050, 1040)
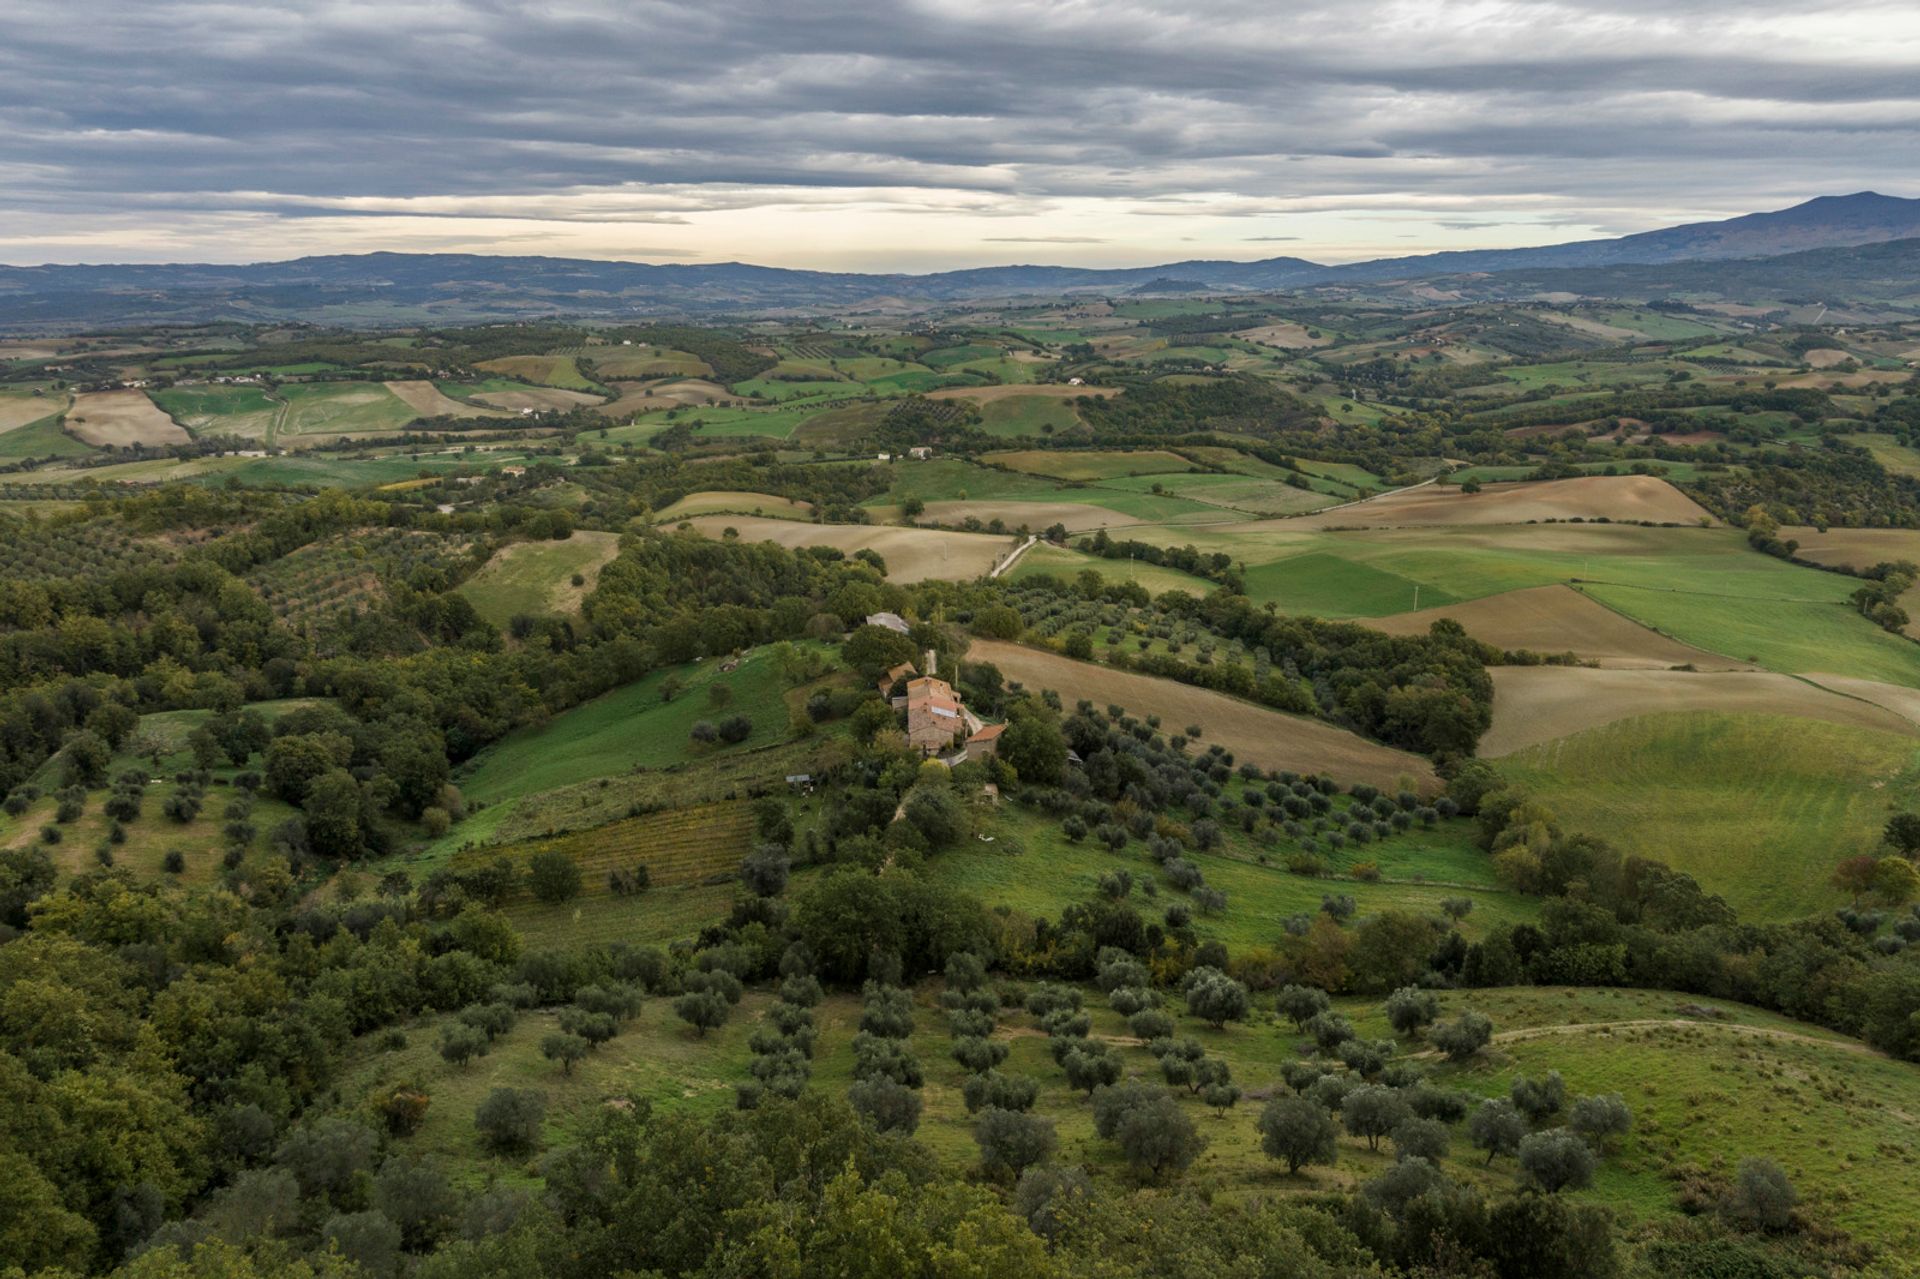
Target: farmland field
(120, 419)
(1558, 619)
(546, 370)
(427, 400)
(340, 408)
(1535, 704)
(723, 502)
(1618, 498)
(248, 411)
(1256, 734)
(632, 727)
(536, 577)
(912, 554)
(1810, 793)
(1089, 464)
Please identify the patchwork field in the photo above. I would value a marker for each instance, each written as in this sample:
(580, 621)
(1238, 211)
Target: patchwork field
(1062, 562)
(912, 554)
(1535, 704)
(642, 362)
(537, 577)
(1613, 497)
(1810, 792)
(1254, 733)
(1559, 619)
(428, 400)
(120, 420)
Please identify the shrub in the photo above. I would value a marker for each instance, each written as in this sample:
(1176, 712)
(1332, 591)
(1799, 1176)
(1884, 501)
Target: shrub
(509, 1119)
(553, 877)
(1463, 1037)
(979, 1055)
(1762, 1198)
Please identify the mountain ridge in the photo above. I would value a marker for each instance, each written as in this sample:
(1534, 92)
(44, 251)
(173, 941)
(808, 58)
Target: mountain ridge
(438, 285)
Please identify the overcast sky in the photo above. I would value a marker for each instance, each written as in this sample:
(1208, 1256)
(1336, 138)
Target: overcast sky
(927, 134)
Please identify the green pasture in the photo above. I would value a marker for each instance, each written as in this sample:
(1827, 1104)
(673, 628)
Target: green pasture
(1758, 808)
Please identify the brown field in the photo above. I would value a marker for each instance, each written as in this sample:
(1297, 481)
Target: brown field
(1535, 704)
(537, 398)
(912, 554)
(1559, 619)
(553, 370)
(644, 397)
(1046, 390)
(1077, 516)
(425, 398)
(18, 410)
(1898, 698)
(1288, 337)
(1826, 357)
(1253, 733)
(121, 419)
(1863, 548)
(716, 501)
(1617, 497)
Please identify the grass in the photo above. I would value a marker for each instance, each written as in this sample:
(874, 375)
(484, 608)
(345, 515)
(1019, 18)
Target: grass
(1018, 416)
(630, 728)
(1758, 808)
(536, 577)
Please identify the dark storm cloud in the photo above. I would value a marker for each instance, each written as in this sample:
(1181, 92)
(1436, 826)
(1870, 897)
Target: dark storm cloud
(569, 111)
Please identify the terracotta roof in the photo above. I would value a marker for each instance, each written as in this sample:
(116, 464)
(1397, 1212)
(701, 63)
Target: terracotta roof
(988, 733)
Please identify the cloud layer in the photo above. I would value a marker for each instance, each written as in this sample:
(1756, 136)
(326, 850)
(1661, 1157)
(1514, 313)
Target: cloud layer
(928, 133)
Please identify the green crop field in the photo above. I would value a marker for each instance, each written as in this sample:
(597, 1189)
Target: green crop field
(1704, 587)
(340, 408)
(632, 727)
(221, 410)
(1808, 794)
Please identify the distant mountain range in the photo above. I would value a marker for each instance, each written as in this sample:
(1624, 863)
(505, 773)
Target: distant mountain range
(1809, 242)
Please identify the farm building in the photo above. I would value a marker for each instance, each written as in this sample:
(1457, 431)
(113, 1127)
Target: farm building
(985, 742)
(935, 714)
(903, 671)
(892, 621)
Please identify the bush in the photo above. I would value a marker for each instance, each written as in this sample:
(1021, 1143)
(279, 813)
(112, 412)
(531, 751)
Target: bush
(460, 1044)
(1301, 1004)
(508, 1121)
(1411, 1008)
(1463, 1037)
(1762, 1198)
(1539, 1099)
(174, 862)
(553, 877)
(1153, 1132)
(1601, 1118)
(566, 1049)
